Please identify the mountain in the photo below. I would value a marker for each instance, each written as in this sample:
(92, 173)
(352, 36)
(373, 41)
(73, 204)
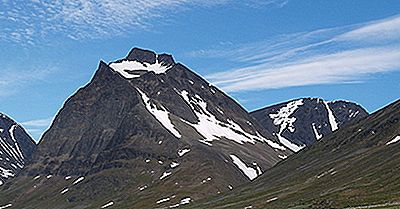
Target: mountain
(357, 165)
(302, 122)
(16, 147)
(145, 132)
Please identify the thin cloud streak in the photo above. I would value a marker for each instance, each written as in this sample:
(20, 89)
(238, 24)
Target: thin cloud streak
(37, 127)
(38, 122)
(344, 67)
(386, 29)
(333, 55)
(32, 20)
(11, 81)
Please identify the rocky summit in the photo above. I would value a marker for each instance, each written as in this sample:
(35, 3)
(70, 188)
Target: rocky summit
(302, 122)
(145, 132)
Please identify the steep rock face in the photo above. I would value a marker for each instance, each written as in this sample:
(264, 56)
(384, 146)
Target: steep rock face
(16, 148)
(357, 165)
(146, 129)
(302, 122)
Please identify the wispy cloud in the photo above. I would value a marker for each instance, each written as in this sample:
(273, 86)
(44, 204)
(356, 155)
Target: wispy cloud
(38, 122)
(334, 55)
(37, 127)
(342, 67)
(386, 29)
(27, 21)
(11, 81)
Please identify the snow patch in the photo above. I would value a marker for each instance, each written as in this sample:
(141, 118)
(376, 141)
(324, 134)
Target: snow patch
(5, 206)
(250, 172)
(332, 120)
(284, 121)
(143, 188)
(259, 171)
(182, 152)
(163, 200)
(272, 199)
(134, 69)
(111, 203)
(185, 201)
(165, 174)
(78, 180)
(174, 164)
(396, 139)
(6, 173)
(353, 114)
(318, 136)
(282, 157)
(213, 129)
(64, 191)
(11, 131)
(162, 115)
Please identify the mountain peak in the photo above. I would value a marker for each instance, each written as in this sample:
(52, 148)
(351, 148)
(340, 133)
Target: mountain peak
(16, 148)
(140, 61)
(150, 57)
(142, 55)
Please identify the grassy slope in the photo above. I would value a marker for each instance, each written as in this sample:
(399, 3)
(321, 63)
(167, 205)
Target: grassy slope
(350, 167)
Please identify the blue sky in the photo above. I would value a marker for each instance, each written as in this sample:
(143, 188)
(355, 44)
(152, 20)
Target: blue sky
(261, 52)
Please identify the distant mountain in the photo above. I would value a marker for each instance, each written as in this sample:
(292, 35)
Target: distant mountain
(357, 165)
(302, 122)
(16, 147)
(146, 132)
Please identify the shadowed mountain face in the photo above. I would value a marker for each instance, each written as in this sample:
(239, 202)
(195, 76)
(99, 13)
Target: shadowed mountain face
(16, 148)
(357, 165)
(302, 122)
(146, 132)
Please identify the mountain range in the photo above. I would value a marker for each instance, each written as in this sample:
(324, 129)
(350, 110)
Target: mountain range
(302, 122)
(16, 148)
(148, 132)
(357, 165)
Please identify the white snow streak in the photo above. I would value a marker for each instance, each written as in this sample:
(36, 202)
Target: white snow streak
(5, 206)
(213, 129)
(250, 172)
(182, 152)
(107, 205)
(185, 201)
(127, 68)
(165, 174)
(78, 180)
(282, 157)
(332, 120)
(64, 191)
(272, 199)
(396, 139)
(163, 200)
(11, 131)
(174, 164)
(162, 115)
(318, 136)
(284, 121)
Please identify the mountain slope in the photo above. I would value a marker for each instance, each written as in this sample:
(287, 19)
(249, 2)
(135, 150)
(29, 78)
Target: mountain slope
(145, 132)
(302, 122)
(356, 165)
(16, 147)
